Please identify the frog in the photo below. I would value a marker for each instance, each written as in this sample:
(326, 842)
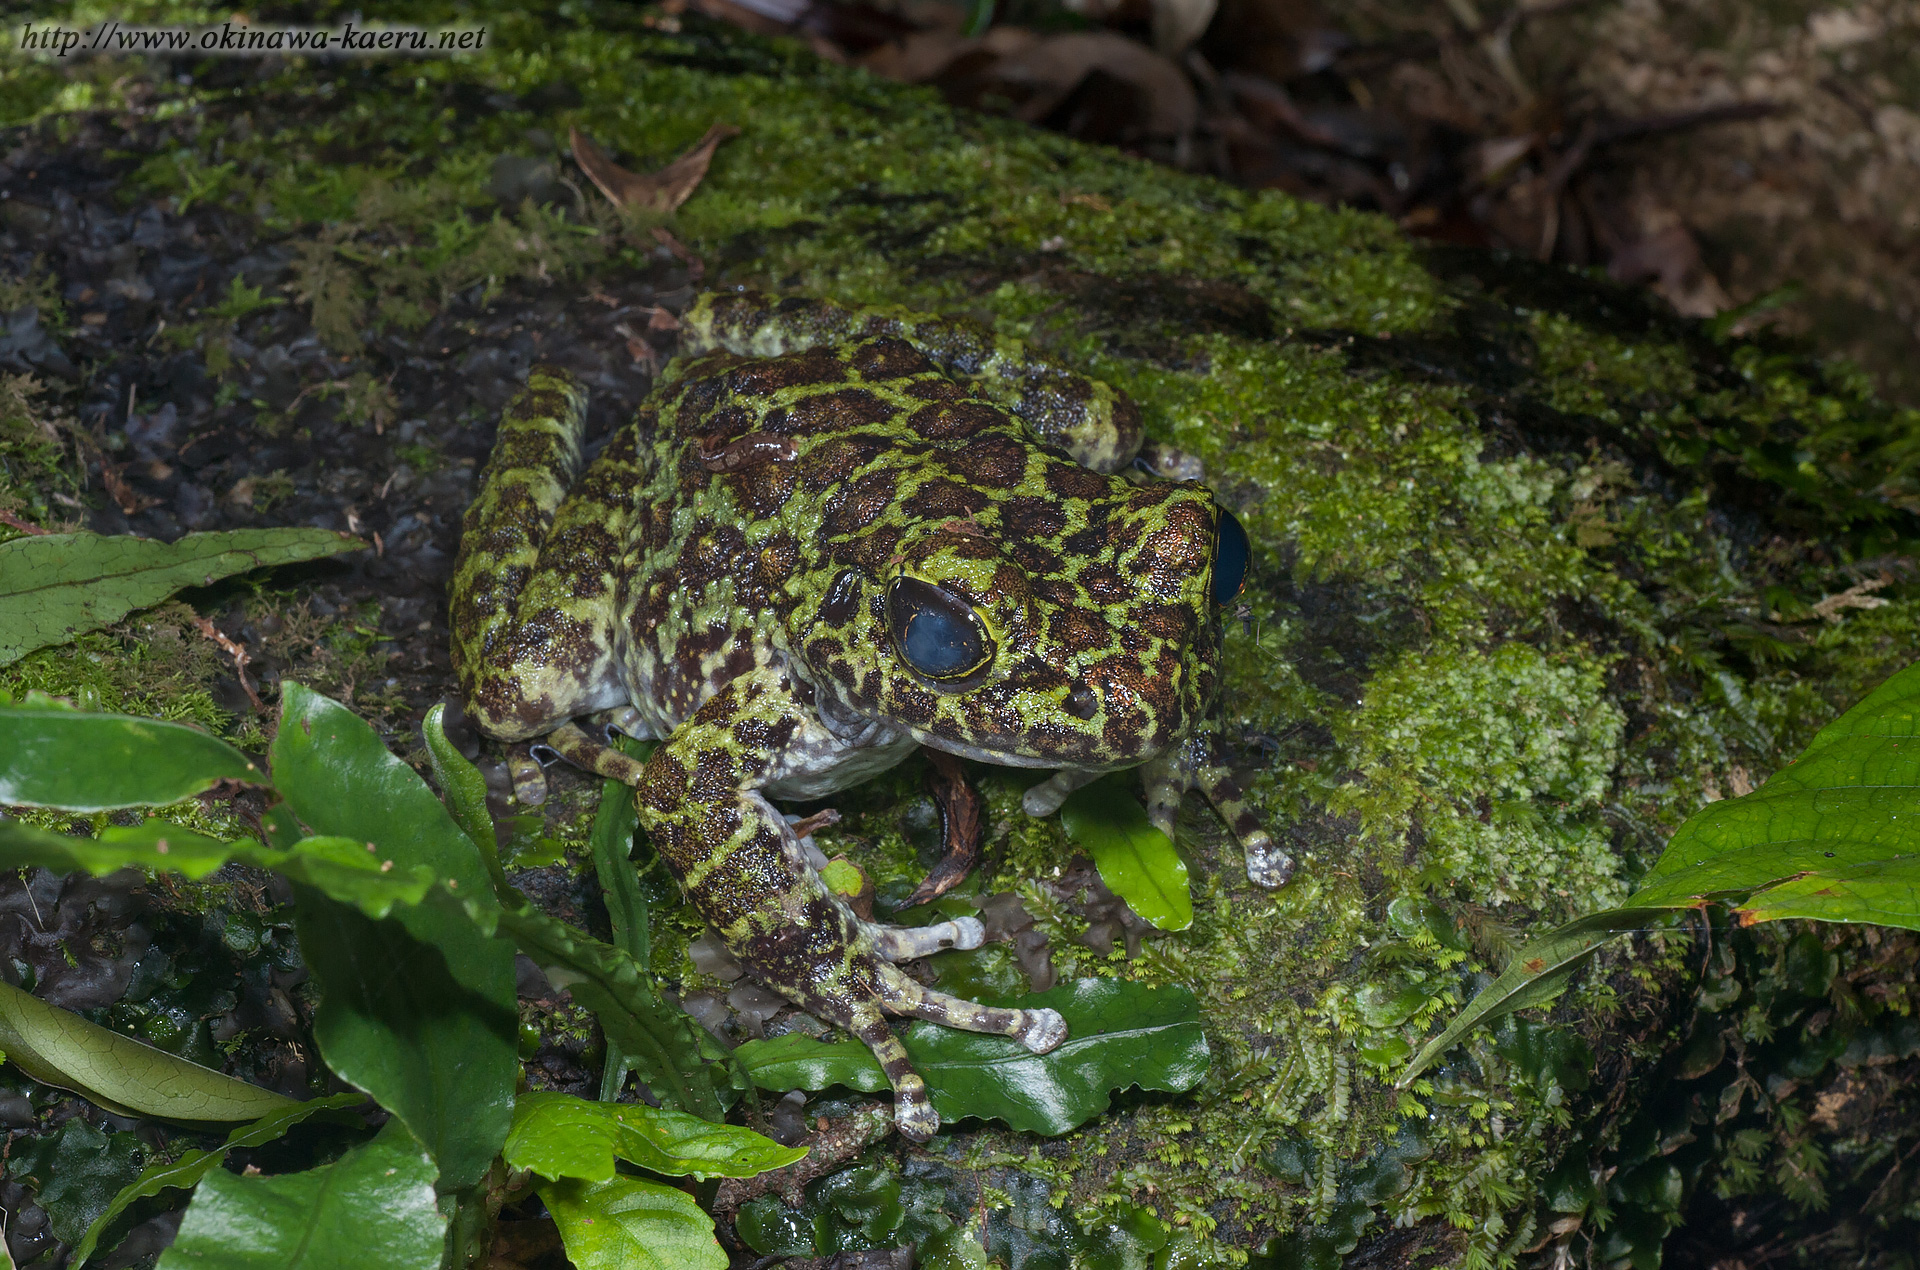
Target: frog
(832, 535)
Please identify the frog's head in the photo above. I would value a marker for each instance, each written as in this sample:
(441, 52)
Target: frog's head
(1040, 630)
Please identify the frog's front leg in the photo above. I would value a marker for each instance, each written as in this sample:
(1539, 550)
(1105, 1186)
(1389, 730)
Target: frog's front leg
(699, 799)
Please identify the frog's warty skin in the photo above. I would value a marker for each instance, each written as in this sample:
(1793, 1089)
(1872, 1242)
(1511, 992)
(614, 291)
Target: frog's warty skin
(720, 575)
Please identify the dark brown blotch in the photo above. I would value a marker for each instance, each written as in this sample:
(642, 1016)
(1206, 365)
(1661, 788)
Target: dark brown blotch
(762, 377)
(889, 359)
(836, 412)
(955, 421)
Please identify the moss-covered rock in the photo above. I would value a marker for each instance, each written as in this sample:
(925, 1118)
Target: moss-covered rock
(1538, 569)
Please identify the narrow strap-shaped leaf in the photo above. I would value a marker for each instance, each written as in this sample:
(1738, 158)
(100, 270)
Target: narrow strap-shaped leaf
(55, 586)
(342, 869)
(193, 1165)
(461, 785)
(611, 842)
(657, 1038)
(58, 1047)
(54, 757)
(1534, 971)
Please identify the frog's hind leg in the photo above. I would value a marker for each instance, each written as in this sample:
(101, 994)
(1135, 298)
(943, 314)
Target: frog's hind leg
(535, 638)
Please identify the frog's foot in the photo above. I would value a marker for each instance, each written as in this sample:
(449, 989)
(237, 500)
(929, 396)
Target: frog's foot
(1045, 798)
(528, 775)
(905, 943)
(913, 1112)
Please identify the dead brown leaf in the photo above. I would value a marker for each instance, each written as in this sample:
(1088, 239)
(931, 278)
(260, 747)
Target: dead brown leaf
(658, 192)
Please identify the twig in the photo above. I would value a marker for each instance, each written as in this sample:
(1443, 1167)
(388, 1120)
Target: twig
(843, 1140)
(12, 521)
(240, 658)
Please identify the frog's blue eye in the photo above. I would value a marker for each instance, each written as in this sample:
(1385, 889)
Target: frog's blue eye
(1231, 551)
(936, 632)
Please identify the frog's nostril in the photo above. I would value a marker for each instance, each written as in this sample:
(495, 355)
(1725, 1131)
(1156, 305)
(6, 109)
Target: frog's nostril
(1082, 703)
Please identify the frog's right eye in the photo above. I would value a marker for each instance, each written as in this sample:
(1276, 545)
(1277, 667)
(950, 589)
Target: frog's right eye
(1231, 552)
(935, 632)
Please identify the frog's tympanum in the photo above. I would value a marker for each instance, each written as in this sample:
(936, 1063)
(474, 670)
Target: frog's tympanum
(834, 535)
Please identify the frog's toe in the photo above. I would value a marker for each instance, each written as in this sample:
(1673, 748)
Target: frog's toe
(905, 943)
(913, 1113)
(1267, 865)
(1042, 1031)
(968, 932)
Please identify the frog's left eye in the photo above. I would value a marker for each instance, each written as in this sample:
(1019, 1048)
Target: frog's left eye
(936, 633)
(1231, 551)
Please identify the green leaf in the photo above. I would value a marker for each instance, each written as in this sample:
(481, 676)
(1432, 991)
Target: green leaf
(611, 842)
(375, 1206)
(51, 756)
(186, 1172)
(658, 1039)
(558, 1135)
(339, 868)
(74, 1172)
(58, 1047)
(1119, 1034)
(798, 1061)
(1535, 974)
(1834, 836)
(627, 1224)
(54, 586)
(461, 783)
(417, 1010)
(1136, 861)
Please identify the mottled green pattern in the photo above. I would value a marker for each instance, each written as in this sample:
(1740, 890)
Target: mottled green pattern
(742, 566)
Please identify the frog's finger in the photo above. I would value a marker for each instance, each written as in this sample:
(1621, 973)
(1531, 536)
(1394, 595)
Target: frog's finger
(1267, 865)
(906, 943)
(1039, 1030)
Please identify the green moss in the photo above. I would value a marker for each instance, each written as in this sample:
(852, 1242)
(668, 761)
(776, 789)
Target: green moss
(1537, 571)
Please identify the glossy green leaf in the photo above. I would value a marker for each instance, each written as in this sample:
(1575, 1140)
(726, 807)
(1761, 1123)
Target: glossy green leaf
(373, 1207)
(799, 1061)
(51, 756)
(1136, 861)
(1536, 973)
(418, 1010)
(1834, 836)
(624, 1223)
(74, 1172)
(557, 1135)
(186, 1172)
(55, 586)
(344, 870)
(58, 1047)
(1119, 1034)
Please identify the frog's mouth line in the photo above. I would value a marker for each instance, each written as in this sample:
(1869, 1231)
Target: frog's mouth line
(1008, 758)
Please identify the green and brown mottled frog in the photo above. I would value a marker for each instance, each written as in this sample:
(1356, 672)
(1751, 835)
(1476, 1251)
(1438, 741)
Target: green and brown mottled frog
(834, 535)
